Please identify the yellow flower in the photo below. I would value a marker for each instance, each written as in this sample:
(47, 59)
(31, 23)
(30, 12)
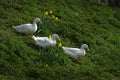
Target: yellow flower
(56, 18)
(49, 37)
(51, 12)
(53, 16)
(46, 65)
(46, 13)
(60, 44)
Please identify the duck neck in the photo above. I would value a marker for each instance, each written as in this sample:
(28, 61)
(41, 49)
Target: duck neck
(83, 50)
(35, 25)
(53, 38)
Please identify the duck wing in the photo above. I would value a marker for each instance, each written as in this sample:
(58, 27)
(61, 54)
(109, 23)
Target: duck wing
(23, 27)
(72, 50)
(42, 38)
(42, 42)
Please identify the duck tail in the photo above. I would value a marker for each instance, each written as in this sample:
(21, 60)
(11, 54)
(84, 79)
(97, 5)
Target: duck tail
(63, 47)
(14, 27)
(34, 38)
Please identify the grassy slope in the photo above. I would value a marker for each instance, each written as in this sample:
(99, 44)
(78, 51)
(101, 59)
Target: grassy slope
(80, 22)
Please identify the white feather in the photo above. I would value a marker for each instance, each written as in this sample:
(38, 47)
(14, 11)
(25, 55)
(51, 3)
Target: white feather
(27, 28)
(75, 52)
(45, 41)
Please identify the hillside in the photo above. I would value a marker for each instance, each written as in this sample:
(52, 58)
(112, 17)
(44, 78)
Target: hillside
(79, 21)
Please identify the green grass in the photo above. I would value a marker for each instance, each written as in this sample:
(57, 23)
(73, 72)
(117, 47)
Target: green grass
(80, 22)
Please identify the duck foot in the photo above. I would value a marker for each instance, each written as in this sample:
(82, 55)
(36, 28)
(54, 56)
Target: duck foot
(78, 61)
(31, 34)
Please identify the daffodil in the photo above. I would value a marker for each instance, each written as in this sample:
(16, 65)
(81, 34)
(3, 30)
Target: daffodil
(46, 65)
(56, 18)
(53, 16)
(51, 12)
(60, 44)
(49, 37)
(46, 13)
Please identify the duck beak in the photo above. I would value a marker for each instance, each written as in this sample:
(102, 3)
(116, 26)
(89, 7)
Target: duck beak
(40, 22)
(59, 39)
(87, 49)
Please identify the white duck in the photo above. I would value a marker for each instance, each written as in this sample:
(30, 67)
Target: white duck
(28, 28)
(45, 41)
(75, 53)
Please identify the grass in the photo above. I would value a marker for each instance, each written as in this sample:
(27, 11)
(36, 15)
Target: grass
(79, 22)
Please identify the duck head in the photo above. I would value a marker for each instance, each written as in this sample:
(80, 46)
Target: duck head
(37, 20)
(85, 46)
(55, 36)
